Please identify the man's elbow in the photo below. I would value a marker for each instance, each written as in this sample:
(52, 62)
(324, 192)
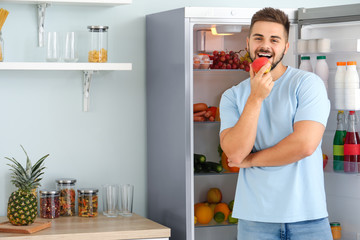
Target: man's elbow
(307, 149)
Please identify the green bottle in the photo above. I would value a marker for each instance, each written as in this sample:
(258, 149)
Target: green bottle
(338, 144)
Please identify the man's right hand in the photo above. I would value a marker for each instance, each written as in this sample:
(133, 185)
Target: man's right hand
(261, 83)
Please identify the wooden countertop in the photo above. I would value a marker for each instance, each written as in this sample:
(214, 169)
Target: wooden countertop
(100, 227)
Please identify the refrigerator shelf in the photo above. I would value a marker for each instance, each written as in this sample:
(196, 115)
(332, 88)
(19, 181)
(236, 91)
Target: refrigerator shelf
(219, 70)
(338, 46)
(207, 122)
(215, 224)
(215, 173)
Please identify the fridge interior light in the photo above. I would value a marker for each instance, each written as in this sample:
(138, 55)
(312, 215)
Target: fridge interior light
(226, 29)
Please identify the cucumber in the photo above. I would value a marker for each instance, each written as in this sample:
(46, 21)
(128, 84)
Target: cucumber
(199, 158)
(212, 167)
(198, 167)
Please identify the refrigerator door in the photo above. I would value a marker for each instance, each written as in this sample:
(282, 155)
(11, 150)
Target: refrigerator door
(341, 26)
(169, 141)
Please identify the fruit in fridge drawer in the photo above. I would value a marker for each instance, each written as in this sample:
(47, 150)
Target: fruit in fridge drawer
(224, 208)
(325, 160)
(219, 217)
(204, 214)
(232, 219)
(231, 205)
(225, 165)
(259, 63)
(214, 195)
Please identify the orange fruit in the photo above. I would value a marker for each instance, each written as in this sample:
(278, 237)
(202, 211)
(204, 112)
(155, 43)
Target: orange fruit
(224, 208)
(198, 205)
(204, 214)
(214, 195)
(225, 165)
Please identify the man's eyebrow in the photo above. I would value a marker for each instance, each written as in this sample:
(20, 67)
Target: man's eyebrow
(257, 35)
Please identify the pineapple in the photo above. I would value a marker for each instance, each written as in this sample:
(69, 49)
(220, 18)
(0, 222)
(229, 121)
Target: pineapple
(22, 204)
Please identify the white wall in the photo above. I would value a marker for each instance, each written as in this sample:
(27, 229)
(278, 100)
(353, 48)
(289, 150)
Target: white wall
(43, 110)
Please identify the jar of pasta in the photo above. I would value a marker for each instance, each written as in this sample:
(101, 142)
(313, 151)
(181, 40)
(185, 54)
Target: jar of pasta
(98, 44)
(1, 48)
(66, 186)
(49, 204)
(88, 202)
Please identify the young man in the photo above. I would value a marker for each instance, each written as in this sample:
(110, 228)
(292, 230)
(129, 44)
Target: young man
(271, 127)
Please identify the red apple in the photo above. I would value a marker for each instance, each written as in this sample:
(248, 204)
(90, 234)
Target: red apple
(325, 160)
(259, 62)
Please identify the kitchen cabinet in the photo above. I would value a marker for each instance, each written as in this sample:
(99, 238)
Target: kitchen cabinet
(87, 68)
(100, 227)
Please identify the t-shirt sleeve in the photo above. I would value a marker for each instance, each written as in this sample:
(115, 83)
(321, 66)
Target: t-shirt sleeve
(313, 102)
(229, 113)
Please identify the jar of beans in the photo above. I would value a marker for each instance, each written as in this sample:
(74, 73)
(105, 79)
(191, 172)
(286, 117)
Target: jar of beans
(66, 186)
(88, 202)
(49, 203)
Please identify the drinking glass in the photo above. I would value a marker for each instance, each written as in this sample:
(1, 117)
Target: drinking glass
(110, 195)
(52, 49)
(71, 54)
(126, 199)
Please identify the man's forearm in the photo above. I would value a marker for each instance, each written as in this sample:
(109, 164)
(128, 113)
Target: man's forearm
(238, 141)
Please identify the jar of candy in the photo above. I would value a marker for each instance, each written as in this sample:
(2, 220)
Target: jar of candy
(88, 202)
(66, 186)
(336, 230)
(49, 204)
(98, 44)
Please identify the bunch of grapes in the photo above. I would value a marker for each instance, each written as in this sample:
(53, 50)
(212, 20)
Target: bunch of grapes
(230, 60)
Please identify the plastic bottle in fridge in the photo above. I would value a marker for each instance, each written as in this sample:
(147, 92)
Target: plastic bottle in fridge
(338, 143)
(339, 85)
(351, 145)
(351, 86)
(305, 64)
(322, 69)
(351, 76)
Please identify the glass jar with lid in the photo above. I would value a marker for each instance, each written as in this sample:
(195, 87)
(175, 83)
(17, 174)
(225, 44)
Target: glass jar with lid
(336, 230)
(88, 202)
(66, 186)
(49, 203)
(98, 44)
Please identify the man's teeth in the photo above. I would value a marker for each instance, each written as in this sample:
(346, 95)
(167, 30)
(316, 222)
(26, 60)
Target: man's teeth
(265, 55)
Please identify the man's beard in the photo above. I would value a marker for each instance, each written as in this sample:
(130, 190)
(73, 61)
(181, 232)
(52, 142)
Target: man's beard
(273, 66)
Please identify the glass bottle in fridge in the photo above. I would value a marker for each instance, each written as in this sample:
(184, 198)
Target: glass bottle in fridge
(338, 143)
(306, 64)
(66, 186)
(322, 69)
(351, 145)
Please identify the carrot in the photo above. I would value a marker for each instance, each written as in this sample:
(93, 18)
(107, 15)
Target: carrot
(199, 119)
(198, 114)
(200, 107)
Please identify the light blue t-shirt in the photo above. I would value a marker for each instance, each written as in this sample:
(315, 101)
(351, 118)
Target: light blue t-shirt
(293, 192)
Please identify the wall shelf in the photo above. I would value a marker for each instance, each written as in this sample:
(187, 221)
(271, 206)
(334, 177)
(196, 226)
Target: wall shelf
(63, 66)
(73, 2)
(88, 70)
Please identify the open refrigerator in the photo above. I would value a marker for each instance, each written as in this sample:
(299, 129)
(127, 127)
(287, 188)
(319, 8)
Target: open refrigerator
(174, 85)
